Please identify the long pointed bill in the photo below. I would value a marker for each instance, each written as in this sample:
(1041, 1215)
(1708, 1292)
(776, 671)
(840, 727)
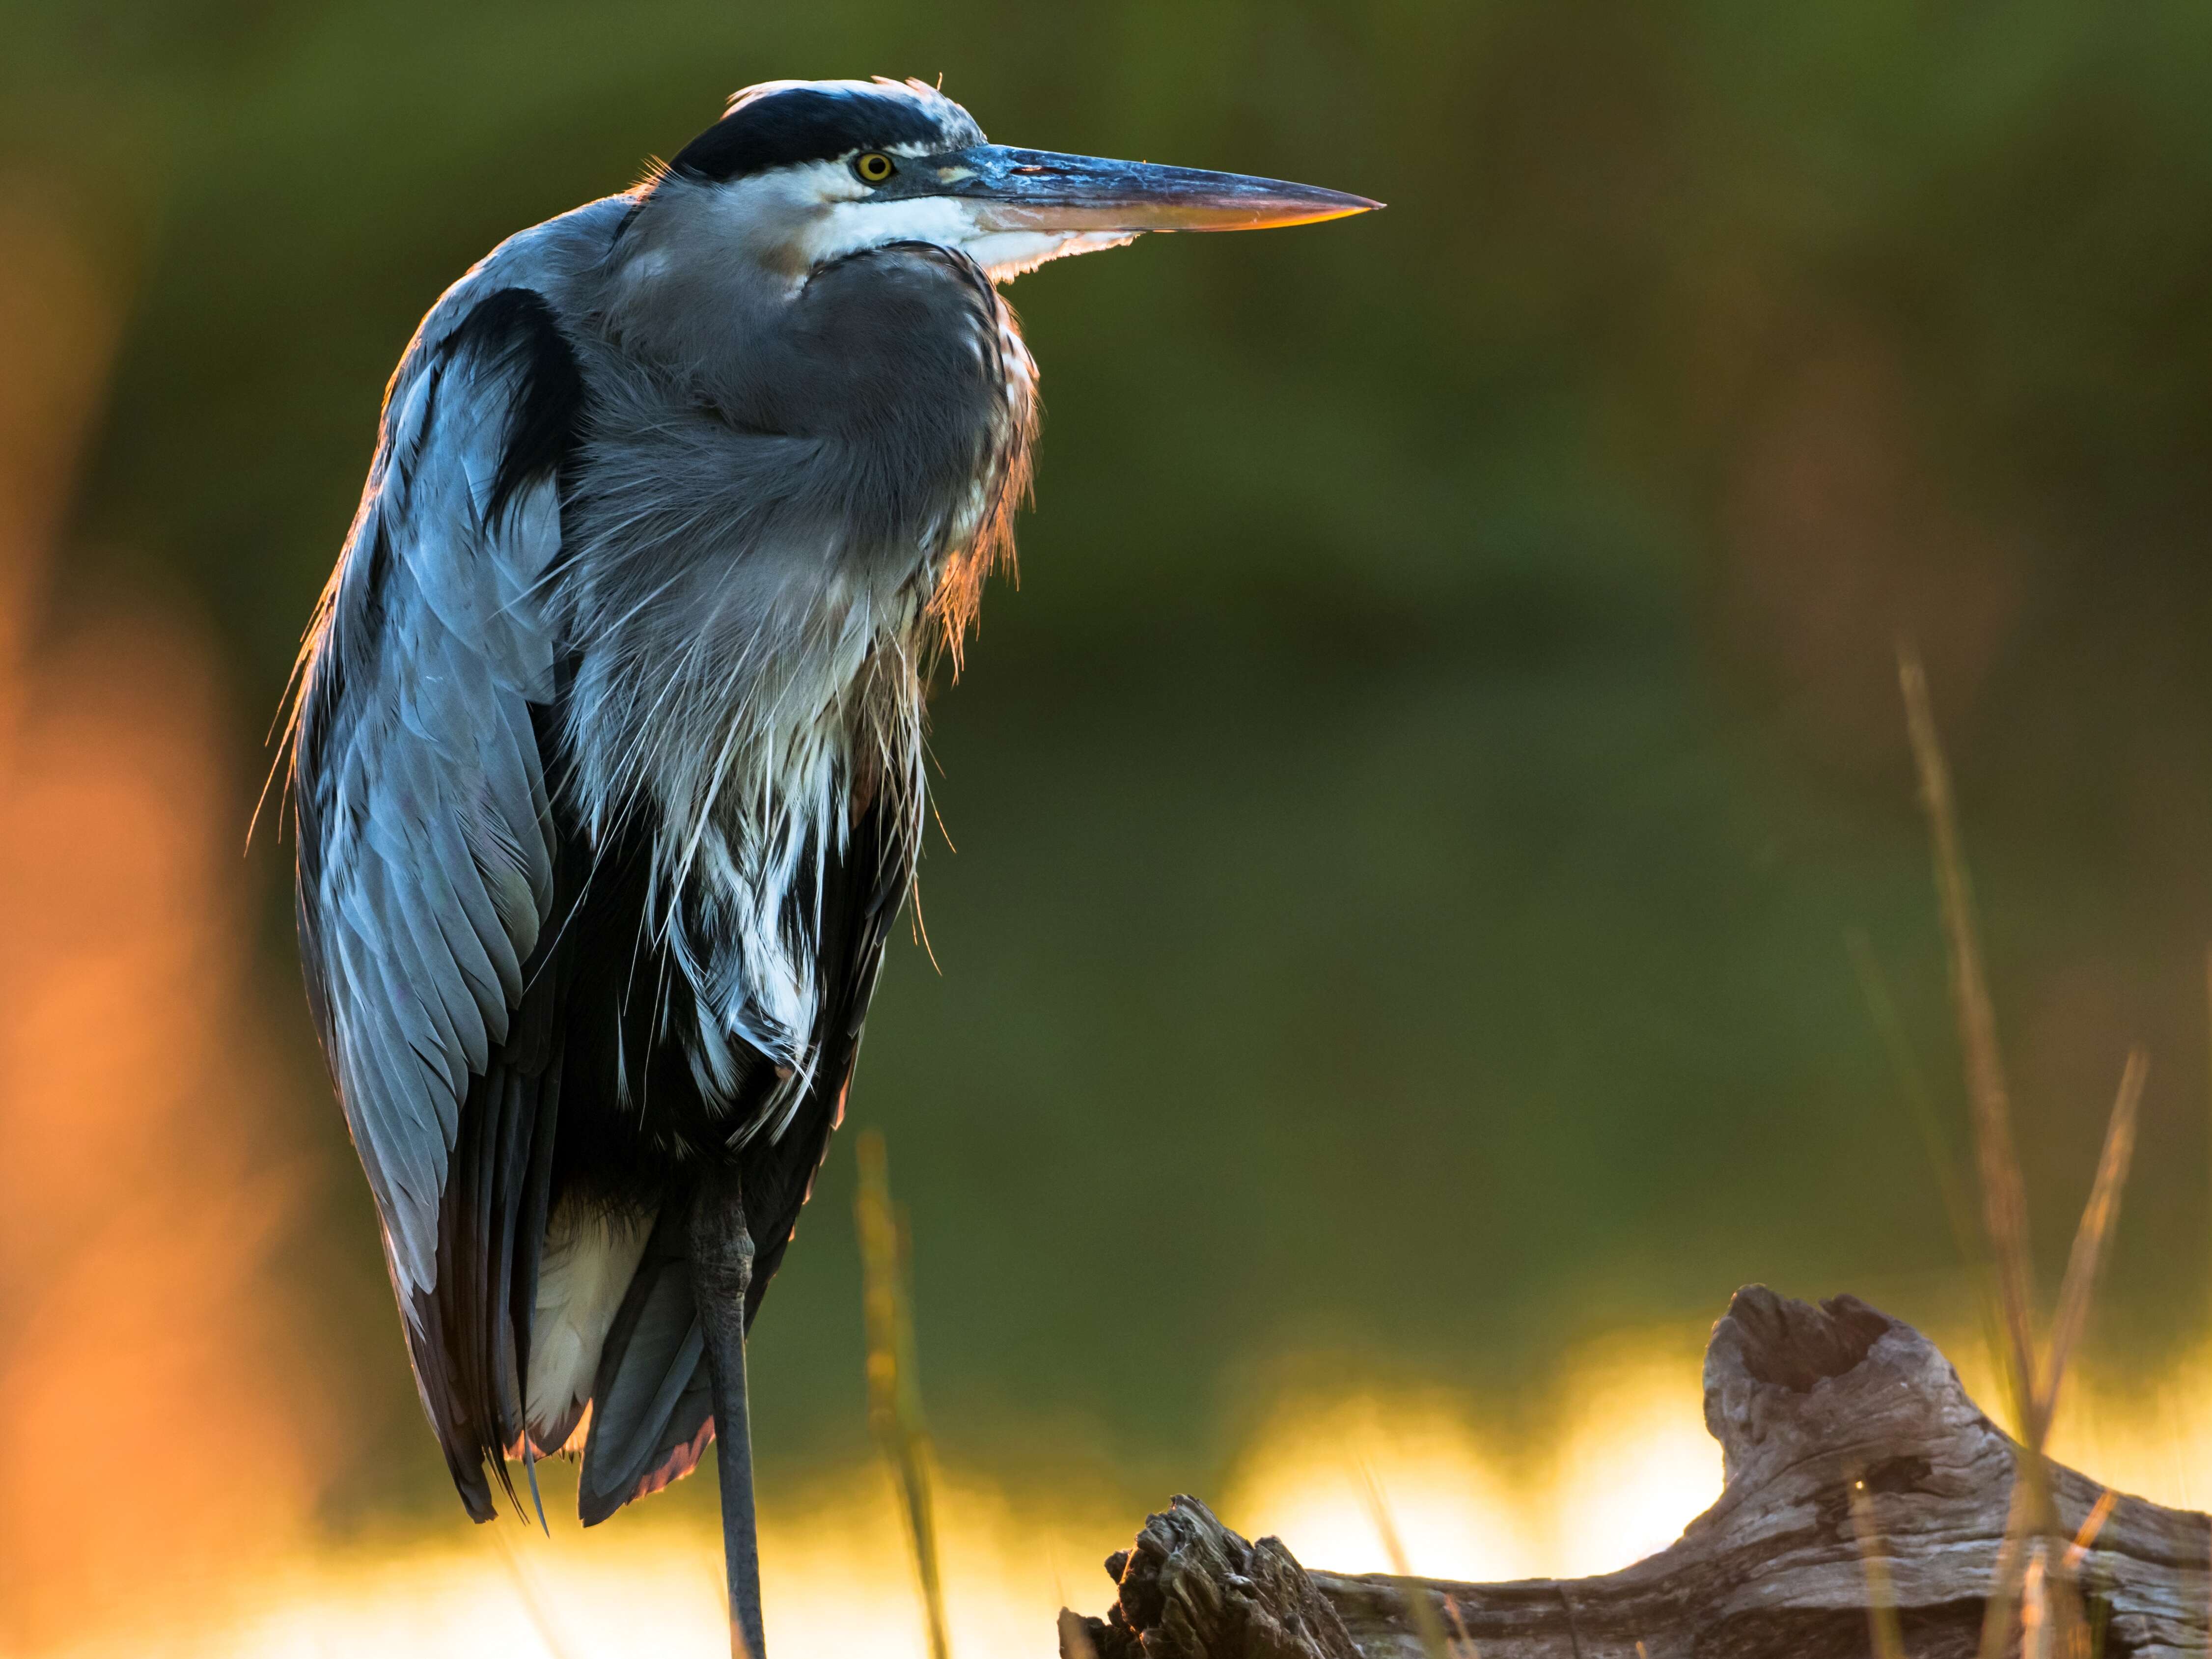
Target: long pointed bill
(1035, 189)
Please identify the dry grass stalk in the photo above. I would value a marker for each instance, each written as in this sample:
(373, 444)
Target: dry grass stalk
(2035, 1559)
(2035, 1620)
(1462, 1643)
(2004, 1197)
(2091, 1524)
(1882, 1628)
(1074, 1639)
(894, 1392)
(1912, 1082)
(2032, 1532)
(2098, 1217)
(1421, 1608)
(531, 1594)
(2005, 1573)
(2069, 1627)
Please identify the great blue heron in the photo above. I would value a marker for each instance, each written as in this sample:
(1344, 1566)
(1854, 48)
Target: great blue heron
(607, 745)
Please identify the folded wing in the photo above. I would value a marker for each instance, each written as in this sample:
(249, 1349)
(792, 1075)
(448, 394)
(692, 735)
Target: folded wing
(425, 844)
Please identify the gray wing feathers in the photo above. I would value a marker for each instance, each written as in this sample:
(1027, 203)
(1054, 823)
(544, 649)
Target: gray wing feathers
(435, 872)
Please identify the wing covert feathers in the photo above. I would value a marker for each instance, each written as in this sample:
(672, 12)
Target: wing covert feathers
(427, 846)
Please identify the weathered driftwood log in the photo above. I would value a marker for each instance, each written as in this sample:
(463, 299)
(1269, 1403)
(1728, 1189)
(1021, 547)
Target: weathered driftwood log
(1804, 1402)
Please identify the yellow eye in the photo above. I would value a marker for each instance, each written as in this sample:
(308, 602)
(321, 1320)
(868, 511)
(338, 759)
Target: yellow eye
(874, 167)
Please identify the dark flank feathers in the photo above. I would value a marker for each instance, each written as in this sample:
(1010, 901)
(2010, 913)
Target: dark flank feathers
(651, 1404)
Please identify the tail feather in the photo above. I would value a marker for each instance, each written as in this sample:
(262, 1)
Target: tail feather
(471, 1330)
(651, 1409)
(589, 1255)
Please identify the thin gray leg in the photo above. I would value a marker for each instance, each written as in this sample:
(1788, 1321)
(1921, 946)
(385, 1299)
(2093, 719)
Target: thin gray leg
(721, 1273)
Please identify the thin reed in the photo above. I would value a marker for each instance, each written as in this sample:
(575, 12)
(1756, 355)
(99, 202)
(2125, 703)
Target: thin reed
(1419, 1603)
(2004, 1197)
(1883, 1631)
(1967, 1233)
(894, 1389)
(2037, 1581)
(2099, 1217)
(1075, 1641)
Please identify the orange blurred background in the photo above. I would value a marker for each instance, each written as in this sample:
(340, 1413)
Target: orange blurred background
(165, 1392)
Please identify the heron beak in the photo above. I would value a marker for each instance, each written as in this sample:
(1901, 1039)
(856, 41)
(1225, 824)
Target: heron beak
(1037, 189)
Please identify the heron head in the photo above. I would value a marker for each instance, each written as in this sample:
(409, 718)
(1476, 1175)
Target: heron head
(801, 173)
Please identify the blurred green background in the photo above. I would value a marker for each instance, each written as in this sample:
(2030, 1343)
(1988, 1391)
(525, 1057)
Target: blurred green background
(1410, 816)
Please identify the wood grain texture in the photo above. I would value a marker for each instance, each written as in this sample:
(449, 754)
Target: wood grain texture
(1804, 1402)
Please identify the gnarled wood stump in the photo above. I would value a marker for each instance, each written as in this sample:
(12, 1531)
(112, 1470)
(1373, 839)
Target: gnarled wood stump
(1804, 1402)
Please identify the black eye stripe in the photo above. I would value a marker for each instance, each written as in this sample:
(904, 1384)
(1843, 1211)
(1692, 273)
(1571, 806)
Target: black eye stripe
(806, 123)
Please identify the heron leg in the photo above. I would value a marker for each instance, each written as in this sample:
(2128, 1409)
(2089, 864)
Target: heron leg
(722, 1274)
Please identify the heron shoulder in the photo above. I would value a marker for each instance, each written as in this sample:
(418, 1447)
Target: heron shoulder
(557, 260)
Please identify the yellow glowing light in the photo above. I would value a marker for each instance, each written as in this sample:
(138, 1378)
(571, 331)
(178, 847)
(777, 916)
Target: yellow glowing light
(1622, 1466)
(837, 1574)
(1633, 1463)
(1611, 1472)
(1456, 1516)
(2147, 1434)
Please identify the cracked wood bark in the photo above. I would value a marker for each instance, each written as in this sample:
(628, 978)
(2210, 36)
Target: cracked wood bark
(1804, 1401)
